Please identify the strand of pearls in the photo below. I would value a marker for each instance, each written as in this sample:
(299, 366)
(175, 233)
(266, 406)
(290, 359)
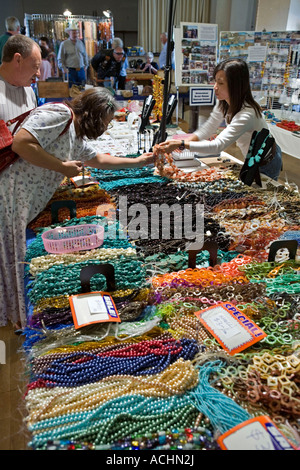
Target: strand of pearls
(81, 367)
(45, 403)
(109, 422)
(42, 263)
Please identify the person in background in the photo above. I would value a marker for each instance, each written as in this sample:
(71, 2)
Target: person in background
(45, 69)
(108, 65)
(12, 25)
(150, 66)
(44, 41)
(117, 42)
(50, 147)
(20, 68)
(242, 115)
(72, 57)
(162, 60)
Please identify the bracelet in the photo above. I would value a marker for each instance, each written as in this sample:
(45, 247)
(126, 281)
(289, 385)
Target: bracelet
(182, 145)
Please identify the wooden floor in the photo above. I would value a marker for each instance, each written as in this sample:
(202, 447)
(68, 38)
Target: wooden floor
(13, 433)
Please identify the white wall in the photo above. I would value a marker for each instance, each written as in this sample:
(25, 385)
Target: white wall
(272, 15)
(234, 15)
(293, 23)
(243, 15)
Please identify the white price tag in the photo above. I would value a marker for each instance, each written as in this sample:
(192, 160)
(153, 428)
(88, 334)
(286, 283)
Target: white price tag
(97, 305)
(230, 326)
(255, 434)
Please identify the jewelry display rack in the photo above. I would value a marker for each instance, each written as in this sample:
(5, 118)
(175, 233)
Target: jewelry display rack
(96, 32)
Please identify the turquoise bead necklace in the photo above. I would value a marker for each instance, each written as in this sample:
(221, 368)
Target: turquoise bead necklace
(222, 411)
(65, 280)
(110, 421)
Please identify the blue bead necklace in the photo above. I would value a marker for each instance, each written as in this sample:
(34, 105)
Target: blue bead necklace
(221, 410)
(82, 367)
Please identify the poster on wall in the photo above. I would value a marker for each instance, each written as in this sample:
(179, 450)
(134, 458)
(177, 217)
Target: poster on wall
(196, 53)
(273, 61)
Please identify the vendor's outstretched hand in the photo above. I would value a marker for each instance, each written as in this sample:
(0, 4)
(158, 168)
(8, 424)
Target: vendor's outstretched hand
(169, 146)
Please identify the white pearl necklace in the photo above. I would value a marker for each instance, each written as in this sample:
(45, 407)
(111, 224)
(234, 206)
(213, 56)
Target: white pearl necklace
(42, 263)
(45, 403)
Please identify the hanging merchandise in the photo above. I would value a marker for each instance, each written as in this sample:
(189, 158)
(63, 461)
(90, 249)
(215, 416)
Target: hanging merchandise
(95, 32)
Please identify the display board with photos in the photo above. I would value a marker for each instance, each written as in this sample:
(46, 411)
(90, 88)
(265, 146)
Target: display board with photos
(196, 53)
(273, 59)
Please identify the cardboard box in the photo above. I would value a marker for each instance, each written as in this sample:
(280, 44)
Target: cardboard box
(53, 89)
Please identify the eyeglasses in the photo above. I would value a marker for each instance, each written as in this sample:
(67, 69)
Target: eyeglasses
(119, 53)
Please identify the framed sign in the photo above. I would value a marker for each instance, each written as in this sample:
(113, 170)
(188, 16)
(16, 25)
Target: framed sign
(202, 96)
(233, 330)
(93, 307)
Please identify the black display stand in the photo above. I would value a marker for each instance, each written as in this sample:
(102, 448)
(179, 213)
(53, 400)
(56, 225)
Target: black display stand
(161, 134)
(88, 272)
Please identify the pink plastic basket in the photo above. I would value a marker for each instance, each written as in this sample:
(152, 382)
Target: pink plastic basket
(74, 238)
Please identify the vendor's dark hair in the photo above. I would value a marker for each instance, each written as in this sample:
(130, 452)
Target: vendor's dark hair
(92, 109)
(238, 80)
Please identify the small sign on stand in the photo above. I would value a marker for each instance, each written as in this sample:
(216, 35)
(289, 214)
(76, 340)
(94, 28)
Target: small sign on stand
(233, 330)
(93, 307)
(202, 96)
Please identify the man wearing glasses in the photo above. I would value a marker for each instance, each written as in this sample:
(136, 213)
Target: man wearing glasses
(107, 64)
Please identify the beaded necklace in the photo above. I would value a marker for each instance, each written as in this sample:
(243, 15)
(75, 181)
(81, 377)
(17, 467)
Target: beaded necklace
(84, 208)
(200, 437)
(110, 422)
(45, 403)
(81, 367)
(65, 280)
(42, 263)
(202, 277)
(111, 179)
(221, 410)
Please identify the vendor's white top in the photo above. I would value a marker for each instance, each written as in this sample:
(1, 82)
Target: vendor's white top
(240, 130)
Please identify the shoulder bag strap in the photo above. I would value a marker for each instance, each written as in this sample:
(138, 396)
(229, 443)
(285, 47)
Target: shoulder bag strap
(69, 121)
(18, 120)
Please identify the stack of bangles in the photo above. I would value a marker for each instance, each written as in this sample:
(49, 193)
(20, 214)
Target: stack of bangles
(205, 277)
